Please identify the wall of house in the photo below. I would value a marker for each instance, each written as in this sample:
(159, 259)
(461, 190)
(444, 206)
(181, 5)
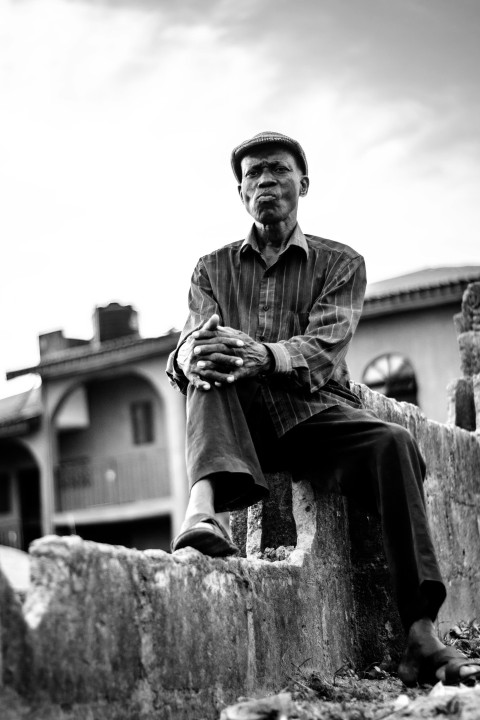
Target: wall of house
(102, 464)
(426, 337)
(110, 429)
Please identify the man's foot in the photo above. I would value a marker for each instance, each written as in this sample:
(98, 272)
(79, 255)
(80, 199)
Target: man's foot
(204, 533)
(427, 660)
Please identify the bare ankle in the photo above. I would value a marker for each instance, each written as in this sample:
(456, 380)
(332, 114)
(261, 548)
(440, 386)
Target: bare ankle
(201, 499)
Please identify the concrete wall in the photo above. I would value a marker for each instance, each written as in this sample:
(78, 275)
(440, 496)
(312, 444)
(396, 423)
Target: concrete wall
(115, 633)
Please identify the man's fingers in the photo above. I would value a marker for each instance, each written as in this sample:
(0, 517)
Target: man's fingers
(214, 346)
(219, 359)
(204, 334)
(199, 382)
(209, 328)
(217, 376)
(219, 362)
(212, 322)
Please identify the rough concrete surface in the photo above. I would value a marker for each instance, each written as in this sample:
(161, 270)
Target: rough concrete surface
(461, 404)
(469, 345)
(179, 635)
(107, 632)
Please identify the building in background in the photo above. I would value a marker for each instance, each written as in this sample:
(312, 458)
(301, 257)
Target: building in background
(95, 450)
(98, 449)
(406, 345)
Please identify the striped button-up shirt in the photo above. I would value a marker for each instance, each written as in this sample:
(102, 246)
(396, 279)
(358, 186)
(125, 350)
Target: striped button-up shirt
(304, 308)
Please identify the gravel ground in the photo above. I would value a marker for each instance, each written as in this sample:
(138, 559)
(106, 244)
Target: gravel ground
(372, 694)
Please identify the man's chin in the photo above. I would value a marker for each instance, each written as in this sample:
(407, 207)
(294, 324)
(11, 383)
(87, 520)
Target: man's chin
(268, 217)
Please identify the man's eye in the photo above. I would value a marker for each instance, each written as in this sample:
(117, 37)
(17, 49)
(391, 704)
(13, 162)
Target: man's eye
(251, 173)
(281, 169)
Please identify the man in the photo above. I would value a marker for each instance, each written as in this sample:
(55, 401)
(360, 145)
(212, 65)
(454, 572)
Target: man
(262, 361)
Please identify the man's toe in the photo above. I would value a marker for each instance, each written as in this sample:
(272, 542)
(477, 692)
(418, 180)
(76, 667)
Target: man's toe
(458, 670)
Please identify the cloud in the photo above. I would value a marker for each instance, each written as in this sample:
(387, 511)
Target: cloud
(416, 58)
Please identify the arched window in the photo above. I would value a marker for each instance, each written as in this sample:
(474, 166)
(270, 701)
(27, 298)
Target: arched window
(392, 375)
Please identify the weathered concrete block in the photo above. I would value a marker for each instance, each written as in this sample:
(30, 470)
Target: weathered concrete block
(471, 307)
(461, 404)
(267, 530)
(476, 399)
(459, 323)
(380, 634)
(452, 491)
(15, 650)
(350, 538)
(469, 346)
(183, 634)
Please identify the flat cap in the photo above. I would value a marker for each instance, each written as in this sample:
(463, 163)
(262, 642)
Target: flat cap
(266, 138)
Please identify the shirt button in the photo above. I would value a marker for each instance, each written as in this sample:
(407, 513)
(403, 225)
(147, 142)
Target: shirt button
(265, 307)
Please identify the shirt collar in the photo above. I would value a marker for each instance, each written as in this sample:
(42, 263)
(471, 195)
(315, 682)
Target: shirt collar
(296, 238)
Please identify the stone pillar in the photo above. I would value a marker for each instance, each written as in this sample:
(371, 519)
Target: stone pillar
(464, 393)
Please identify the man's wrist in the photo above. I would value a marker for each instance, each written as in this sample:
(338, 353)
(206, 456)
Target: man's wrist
(282, 362)
(268, 364)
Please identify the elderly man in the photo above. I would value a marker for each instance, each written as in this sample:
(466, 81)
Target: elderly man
(262, 361)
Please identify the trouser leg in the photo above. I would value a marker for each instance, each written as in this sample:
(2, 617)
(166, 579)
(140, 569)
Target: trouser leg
(219, 446)
(381, 461)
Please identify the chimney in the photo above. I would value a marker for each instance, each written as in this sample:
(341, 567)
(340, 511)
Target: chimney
(51, 343)
(115, 321)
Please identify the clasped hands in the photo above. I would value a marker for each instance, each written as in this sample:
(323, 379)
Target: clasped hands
(220, 355)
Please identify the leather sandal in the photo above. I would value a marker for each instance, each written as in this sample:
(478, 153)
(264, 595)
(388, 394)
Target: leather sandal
(213, 540)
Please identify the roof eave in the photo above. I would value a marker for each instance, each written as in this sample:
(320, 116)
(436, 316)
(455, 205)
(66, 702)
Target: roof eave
(418, 299)
(19, 427)
(102, 358)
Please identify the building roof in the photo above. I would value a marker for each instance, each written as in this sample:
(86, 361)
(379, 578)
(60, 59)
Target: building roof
(20, 413)
(95, 356)
(424, 288)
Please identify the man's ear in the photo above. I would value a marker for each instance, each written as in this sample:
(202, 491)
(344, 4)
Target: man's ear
(304, 185)
(241, 194)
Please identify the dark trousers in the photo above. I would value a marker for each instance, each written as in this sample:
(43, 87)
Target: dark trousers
(231, 440)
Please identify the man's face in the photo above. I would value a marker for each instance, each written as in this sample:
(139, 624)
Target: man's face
(271, 184)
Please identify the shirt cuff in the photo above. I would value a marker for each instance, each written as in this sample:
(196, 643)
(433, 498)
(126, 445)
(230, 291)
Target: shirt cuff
(175, 375)
(281, 357)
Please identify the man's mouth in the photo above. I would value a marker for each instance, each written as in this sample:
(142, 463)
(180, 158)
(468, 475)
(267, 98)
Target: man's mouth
(266, 196)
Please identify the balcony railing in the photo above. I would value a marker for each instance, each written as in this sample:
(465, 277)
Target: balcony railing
(126, 477)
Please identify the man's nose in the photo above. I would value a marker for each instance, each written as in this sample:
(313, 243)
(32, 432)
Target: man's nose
(266, 178)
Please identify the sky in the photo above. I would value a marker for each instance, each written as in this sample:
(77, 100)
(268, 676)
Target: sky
(118, 119)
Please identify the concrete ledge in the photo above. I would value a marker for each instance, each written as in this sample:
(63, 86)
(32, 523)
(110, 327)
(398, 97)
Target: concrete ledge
(185, 633)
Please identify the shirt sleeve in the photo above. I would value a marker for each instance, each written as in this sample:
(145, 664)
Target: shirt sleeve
(202, 305)
(310, 360)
